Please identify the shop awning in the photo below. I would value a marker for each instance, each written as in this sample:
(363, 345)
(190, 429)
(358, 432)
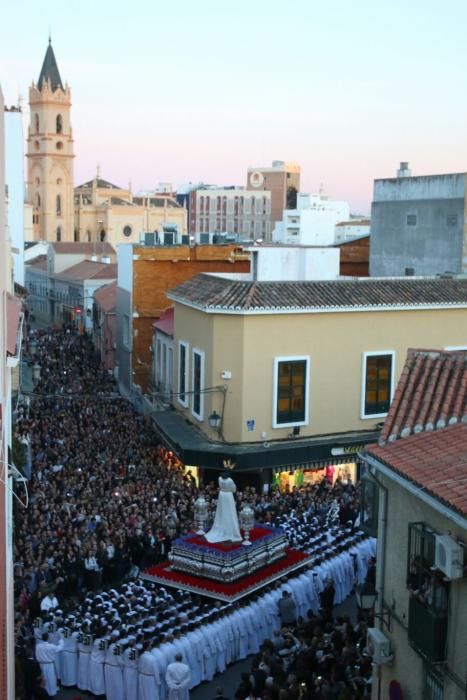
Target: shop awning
(193, 448)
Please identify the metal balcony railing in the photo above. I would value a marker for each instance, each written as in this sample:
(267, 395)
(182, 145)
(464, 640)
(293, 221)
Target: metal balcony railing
(427, 630)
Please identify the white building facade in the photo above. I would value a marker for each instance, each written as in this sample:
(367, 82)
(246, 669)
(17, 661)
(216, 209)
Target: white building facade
(14, 179)
(313, 222)
(9, 358)
(350, 230)
(274, 263)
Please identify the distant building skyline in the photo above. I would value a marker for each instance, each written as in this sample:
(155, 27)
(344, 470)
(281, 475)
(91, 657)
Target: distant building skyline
(170, 93)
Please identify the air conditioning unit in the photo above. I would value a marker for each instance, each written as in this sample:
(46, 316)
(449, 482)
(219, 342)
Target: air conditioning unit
(449, 556)
(149, 238)
(379, 646)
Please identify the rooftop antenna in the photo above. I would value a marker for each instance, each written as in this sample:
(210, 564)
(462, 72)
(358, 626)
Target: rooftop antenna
(50, 35)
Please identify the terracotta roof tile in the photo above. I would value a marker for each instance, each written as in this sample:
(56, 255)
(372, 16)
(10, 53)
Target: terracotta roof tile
(106, 297)
(165, 323)
(436, 461)
(217, 293)
(65, 247)
(431, 394)
(89, 269)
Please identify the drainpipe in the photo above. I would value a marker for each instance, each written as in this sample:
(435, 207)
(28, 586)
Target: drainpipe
(380, 552)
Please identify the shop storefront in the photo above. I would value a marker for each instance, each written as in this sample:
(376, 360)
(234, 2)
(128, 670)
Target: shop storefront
(285, 463)
(345, 469)
(172, 461)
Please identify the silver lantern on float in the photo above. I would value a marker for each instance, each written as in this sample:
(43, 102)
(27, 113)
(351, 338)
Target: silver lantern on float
(247, 522)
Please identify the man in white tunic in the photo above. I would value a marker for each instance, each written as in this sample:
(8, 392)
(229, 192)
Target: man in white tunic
(96, 665)
(130, 670)
(149, 680)
(225, 527)
(178, 678)
(113, 670)
(45, 655)
(84, 657)
(69, 655)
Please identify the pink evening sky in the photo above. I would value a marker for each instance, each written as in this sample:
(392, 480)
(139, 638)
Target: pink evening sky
(189, 91)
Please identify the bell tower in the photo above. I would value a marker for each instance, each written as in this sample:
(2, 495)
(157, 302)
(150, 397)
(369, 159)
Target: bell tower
(50, 155)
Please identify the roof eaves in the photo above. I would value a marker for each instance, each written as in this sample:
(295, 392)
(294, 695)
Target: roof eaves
(422, 489)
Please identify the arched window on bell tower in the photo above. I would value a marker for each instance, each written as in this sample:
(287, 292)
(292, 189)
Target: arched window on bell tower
(36, 122)
(38, 200)
(59, 205)
(102, 236)
(59, 234)
(59, 124)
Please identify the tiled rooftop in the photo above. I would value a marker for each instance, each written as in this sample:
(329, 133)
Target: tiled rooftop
(431, 394)
(165, 323)
(434, 461)
(216, 293)
(106, 297)
(39, 263)
(65, 248)
(88, 269)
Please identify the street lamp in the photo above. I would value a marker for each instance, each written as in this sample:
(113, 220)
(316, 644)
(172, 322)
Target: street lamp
(215, 420)
(366, 596)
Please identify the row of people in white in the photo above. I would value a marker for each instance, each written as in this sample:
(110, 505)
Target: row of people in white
(207, 649)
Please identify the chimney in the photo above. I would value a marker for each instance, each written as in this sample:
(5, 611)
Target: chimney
(404, 170)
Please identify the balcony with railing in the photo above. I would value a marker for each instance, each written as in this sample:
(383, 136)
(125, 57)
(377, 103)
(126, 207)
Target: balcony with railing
(427, 630)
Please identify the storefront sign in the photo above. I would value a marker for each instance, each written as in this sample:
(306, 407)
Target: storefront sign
(347, 449)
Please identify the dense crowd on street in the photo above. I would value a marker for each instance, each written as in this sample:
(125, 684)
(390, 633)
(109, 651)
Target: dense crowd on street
(106, 501)
(316, 658)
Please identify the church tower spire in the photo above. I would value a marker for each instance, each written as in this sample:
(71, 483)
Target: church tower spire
(50, 154)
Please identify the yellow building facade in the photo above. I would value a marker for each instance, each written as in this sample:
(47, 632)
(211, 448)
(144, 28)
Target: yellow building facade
(289, 368)
(107, 212)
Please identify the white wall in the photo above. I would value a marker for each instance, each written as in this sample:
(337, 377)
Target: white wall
(282, 263)
(125, 266)
(312, 223)
(34, 251)
(350, 231)
(14, 178)
(7, 658)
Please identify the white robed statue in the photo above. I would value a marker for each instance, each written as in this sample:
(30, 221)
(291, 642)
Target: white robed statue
(225, 526)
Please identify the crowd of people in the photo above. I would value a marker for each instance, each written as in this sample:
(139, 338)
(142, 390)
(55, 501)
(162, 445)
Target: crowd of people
(105, 502)
(316, 658)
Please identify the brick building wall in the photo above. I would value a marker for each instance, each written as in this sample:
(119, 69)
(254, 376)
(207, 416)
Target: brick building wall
(158, 269)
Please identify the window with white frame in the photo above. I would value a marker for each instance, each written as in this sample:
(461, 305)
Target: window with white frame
(291, 391)
(197, 383)
(183, 349)
(377, 383)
